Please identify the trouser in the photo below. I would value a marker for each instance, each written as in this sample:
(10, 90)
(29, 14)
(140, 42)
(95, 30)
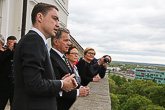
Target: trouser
(6, 93)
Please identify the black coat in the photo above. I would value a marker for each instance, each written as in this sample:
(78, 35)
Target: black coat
(6, 62)
(86, 72)
(35, 84)
(98, 69)
(61, 69)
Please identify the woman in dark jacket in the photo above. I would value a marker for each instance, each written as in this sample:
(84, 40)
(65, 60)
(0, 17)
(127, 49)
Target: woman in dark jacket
(85, 69)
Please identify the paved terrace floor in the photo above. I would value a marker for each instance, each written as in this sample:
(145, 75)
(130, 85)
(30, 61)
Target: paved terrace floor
(98, 99)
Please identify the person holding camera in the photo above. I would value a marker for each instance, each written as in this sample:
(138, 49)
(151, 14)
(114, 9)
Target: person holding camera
(6, 75)
(85, 68)
(100, 65)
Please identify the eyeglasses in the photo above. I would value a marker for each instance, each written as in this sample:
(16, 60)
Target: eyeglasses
(91, 53)
(74, 53)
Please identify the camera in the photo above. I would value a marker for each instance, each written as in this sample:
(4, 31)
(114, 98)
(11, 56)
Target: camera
(106, 60)
(15, 44)
(4, 47)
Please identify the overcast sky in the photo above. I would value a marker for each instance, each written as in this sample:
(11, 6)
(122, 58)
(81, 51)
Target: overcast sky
(127, 30)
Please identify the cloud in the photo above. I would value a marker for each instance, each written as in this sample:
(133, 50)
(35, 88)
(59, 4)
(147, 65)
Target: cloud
(123, 27)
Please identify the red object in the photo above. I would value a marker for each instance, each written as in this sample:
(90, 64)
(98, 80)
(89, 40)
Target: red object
(75, 62)
(142, 74)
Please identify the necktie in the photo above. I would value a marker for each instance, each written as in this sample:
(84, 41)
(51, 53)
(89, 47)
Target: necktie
(67, 62)
(47, 48)
(76, 76)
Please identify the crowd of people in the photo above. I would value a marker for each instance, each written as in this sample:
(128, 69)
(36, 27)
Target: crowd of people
(34, 77)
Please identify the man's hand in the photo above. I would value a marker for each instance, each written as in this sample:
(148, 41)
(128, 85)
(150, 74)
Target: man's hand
(69, 83)
(67, 75)
(96, 79)
(84, 91)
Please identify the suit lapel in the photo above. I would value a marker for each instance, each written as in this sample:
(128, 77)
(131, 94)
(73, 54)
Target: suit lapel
(59, 60)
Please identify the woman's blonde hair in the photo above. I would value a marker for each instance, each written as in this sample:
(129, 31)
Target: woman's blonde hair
(87, 49)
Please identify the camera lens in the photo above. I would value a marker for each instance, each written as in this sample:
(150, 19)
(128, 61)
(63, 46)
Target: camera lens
(106, 60)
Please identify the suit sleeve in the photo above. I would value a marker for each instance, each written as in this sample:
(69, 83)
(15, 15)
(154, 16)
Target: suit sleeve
(33, 54)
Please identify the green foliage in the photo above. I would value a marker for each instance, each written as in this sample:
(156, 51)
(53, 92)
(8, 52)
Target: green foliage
(123, 80)
(134, 103)
(151, 107)
(122, 98)
(137, 94)
(117, 80)
(129, 80)
(158, 96)
(112, 76)
(114, 101)
(112, 86)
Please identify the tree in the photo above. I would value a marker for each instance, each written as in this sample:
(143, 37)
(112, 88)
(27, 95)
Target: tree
(135, 102)
(112, 76)
(112, 86)
(117, 80)
(151, 107)
(135, 87)
(129, 80)
(114, 101)
(123, 89)
(158, 96)
(123, 80)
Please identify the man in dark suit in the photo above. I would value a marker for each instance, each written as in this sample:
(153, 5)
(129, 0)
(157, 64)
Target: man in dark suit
(6, 72)
(35, 84)
(62, 67)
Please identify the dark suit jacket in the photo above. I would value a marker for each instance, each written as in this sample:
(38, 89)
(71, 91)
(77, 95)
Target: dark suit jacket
(35, 84)
(6, 60)
(61, 69)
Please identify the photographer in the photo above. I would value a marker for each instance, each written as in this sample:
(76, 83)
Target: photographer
(6, 72)
(100, 65)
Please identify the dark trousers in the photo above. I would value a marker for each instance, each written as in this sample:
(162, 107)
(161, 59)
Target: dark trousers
(6, 93)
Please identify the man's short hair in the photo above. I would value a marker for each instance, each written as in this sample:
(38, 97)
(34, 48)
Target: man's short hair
(41, 8)
(59, 34)
(87, 49)
(2, 38)
(11, 38)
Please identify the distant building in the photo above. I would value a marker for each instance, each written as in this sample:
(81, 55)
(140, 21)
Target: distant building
(131, 72)
(114, 69)
(146, 74)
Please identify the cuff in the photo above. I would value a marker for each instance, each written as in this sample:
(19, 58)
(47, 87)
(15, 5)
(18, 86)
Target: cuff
(61, 83)
(77, 92)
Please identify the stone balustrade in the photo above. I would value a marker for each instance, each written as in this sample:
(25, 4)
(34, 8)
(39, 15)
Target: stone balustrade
(98, 99)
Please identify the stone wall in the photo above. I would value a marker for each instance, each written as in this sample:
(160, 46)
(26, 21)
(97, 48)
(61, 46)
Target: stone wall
(98, 99)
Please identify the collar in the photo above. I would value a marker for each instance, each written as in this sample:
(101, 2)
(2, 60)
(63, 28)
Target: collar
(39, 32)
(59, 53)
